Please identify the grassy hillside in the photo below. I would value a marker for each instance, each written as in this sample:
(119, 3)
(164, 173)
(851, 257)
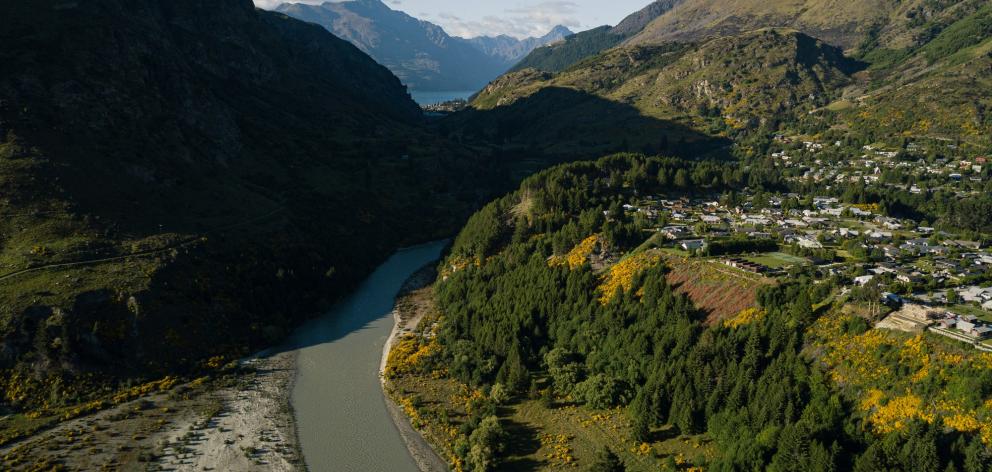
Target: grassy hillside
(183, 180)
(849, 25)
(934, 88)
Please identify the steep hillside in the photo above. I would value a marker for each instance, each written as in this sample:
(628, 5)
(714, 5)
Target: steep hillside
(843, 23)
(185, 179)
(662, 98)
(420, 53)
(560, 56)
(637, 21)
(938, 86)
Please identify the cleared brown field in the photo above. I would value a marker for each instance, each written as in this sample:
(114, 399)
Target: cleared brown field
(718, 290)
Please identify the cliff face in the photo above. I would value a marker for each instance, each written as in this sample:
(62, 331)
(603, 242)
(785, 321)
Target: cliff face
(189, 178)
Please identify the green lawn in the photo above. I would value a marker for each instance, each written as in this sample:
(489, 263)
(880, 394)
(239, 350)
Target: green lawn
(777, 260)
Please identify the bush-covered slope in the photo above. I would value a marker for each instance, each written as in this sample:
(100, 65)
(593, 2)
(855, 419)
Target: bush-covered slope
(530, 313)
(936, 87)
(843, 23)
(695, 91)
(183, 179)
(559, 56)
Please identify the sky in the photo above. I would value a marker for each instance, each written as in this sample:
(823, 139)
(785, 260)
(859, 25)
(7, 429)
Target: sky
(518, 18)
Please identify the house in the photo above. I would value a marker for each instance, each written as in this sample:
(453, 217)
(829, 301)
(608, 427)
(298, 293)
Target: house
(863, 280)
(711, 219)
(809, 243)
(859, 212)
(835, 212)
(675, 232)
(966, 326)
(847, 233)
(880, 235)
(891, 299)
(976, 294)
(756, 220)
(795, 223)
(693, 244)
(976, 245)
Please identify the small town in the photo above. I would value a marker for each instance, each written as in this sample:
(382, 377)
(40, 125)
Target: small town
(922, 277)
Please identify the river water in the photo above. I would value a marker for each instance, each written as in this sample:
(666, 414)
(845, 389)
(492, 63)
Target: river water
(341, 417)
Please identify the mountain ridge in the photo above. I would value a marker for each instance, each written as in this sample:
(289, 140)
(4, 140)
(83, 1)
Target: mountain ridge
(557, 57)
(421, 53)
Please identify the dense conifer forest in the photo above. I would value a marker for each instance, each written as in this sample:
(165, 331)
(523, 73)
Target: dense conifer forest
(527, 308)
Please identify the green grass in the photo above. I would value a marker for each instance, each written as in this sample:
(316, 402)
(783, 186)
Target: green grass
(840, 105)
(777, 260)
(675, 251)
(589, 430)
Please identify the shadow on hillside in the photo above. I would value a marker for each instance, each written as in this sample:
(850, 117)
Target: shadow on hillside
(365, 308)
(523, 442)
(559, 124)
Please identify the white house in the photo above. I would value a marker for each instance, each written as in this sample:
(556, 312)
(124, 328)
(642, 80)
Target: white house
(693, 244)
(863, 280)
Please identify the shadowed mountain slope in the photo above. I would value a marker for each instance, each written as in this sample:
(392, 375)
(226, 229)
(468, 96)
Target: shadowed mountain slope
(187, 178)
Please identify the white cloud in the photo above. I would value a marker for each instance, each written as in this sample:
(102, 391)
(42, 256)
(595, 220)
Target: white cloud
(532, 19)
(526, 18)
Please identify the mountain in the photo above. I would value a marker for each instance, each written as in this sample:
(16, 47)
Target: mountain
(675, 98)
(187, 179)
(512, 50)
(937, 86)
(560, 56)
(839, 22)
(921, 72)
(420, 53)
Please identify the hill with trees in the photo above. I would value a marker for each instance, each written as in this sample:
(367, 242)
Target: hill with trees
(675, 98)
(555, 319)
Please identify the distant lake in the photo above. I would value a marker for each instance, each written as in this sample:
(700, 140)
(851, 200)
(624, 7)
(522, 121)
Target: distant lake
(431, 98)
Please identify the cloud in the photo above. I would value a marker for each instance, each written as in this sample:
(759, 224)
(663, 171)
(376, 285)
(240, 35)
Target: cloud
(528, 18)
(532, 19)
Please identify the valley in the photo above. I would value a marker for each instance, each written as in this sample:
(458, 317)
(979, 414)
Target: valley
(716, 236)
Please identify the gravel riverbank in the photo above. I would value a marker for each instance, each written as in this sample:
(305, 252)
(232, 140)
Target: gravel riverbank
(406, 322)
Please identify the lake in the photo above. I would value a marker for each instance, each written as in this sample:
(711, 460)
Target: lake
(341, 416)
(432, 98)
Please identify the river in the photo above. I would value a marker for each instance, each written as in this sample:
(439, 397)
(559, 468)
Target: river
(341, 417)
